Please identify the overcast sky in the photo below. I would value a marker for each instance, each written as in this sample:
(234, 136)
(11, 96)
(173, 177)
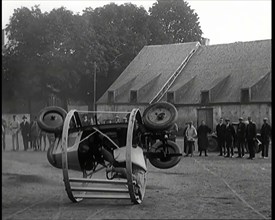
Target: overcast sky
(222, 21)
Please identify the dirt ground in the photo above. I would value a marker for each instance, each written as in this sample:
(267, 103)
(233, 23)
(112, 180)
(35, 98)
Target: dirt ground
(210, 187)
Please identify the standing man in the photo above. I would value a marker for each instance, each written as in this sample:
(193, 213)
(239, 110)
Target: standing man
(15, 127)
(220, 131)
(4, 127)
(117, 119)
(241, 127)
(35, 134)
(229, 138)
(173, 135)
(251, 137)
(25, 131)
(85, 122)
(203, 143)
(265, 136)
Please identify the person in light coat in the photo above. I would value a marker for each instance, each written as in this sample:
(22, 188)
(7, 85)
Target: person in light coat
(15, 128)
(191, 134)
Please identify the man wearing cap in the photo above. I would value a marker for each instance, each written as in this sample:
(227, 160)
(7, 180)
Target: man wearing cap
(251, 137)
(229, 138)
(25, 131)
(241, 137)
(265, 136)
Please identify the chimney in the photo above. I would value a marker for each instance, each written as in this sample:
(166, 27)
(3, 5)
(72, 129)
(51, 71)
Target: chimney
(205, 41)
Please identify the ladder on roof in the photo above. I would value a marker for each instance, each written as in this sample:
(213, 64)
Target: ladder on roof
(171, 80)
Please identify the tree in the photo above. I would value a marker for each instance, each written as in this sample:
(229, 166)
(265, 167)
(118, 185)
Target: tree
(56, 51)
(22, 64)
(123, 30)
(174, 21)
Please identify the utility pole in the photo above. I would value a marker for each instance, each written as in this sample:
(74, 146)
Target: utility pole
(94, 101)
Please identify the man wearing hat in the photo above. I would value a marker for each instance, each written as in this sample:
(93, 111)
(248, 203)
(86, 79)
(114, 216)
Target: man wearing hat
(241, 137)
(25, 131)
(251, 137)
(265, 136)
(229, 138)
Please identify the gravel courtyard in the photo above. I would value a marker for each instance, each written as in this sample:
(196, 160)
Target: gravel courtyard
(210, 187)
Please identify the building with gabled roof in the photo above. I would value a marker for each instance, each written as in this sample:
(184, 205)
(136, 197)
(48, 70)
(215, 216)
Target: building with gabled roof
(203, 82)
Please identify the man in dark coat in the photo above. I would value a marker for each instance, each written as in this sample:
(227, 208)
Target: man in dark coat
(265, 136)
(85, 122)
(203, 130)
(241, 127)
(34, 134)
(4, 127)
(229, 138)
(251, 137)
(25, 131)
(220, 131)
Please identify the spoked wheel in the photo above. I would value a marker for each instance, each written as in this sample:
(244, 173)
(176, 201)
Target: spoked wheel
(165, 155)
(136, 176)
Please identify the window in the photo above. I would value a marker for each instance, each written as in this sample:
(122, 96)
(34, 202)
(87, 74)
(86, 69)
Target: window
(133, 96)
(204, 97)
(245, 95)
(111, 96)
(170, 97)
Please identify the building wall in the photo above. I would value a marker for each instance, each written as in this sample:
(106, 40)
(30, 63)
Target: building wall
(189, 113)
(233, 112)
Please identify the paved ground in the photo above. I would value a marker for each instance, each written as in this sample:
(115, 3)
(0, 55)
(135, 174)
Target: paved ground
(210, 187)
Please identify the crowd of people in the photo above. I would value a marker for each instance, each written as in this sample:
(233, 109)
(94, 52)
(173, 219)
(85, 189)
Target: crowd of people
(33, 137)
(228, 138)
(243, 137)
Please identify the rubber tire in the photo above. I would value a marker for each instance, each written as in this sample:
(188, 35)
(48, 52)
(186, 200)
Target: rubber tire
(53, 128)
(212, 144)
(150, 125)
(156, 162)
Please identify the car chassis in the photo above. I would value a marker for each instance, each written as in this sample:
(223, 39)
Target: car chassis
(122, 149)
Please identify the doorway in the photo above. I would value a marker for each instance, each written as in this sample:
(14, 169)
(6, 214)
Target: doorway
(205, 114)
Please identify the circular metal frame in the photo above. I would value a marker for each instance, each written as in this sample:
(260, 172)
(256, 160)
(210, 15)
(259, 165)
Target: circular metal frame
(136, 190)
(65, 134)
(136, 181)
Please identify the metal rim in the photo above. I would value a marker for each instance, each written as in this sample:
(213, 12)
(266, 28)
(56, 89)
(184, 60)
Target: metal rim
(159, 116)
(135, 195)
(65, 133)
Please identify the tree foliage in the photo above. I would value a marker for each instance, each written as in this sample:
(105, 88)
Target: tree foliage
(56, 51)
(175, 22)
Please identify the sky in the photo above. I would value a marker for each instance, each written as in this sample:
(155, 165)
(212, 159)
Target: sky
(222, 21)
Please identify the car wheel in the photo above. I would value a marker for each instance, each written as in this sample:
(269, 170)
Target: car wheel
(51, 119)
(160, 116)
(212, 144)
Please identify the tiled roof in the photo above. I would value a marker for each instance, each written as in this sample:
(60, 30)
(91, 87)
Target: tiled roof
(223, 70)
(241, 65)
(152, 61)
